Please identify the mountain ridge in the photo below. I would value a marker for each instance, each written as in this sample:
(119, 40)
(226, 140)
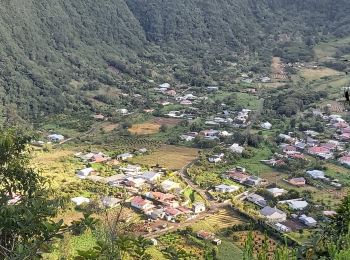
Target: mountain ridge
(44, 45)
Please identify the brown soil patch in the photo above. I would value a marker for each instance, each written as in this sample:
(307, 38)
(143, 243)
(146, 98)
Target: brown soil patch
(144, 129)
(168, 156)
(166, 121)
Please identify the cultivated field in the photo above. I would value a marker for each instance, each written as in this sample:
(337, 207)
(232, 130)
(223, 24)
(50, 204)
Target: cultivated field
(258, 241)
(153, 126)
(168, 156)
(218, 221)
(144, 129)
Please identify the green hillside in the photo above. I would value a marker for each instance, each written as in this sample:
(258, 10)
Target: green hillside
(51, 50)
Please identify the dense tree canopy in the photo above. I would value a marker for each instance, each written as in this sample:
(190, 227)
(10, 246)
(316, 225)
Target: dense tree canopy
(48, 48)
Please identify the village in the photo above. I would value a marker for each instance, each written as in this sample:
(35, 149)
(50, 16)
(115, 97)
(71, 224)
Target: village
(157, 193)
(196, 159)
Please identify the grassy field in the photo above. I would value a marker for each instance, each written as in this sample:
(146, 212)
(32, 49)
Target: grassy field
(228, 250)
(70, 247)
(144, 129)
(327, 50)
(339, 172)
(315, 74)
(301, 238)
(58, 165)
(168, 156)
(253, 164)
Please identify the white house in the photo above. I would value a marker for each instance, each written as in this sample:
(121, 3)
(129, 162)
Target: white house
(135, 182)
(266, 125)
(308, 221)
(282, 228)
(226, 188)
(316, 174)
(236, 148)
(110, 202)
(80, 200)
(216, 158)
(116, 180)
(131, 169)
(83, 173)
(56, 138)
(124, 156)
(169, 185)
(151, 176)
(123, 111)
(276, 191)
(273, 214)
(187, 138)
(296, 204)
(198, 207)
(164, 85)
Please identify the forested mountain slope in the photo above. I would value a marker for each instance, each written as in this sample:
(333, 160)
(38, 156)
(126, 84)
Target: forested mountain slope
(45, 44)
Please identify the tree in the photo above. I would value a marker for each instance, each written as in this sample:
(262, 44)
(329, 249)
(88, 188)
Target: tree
(26, 228)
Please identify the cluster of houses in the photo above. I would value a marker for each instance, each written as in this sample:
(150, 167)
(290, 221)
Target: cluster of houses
(241, 176)
(249, 78)
(158, 205)
(161, 201)
(277, 218)
(294, 148)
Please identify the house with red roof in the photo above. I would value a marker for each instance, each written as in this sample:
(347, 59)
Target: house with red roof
(297, 181)
(346, 130)
(320, 151)
(345, 160)
(239, 177)
(330, 145)
(160, 196)
(205, 235)
(289, 149)
(141, 204)
(98, 158)
(344, 137)
(299, 156)
(341, 125)
(172, 213)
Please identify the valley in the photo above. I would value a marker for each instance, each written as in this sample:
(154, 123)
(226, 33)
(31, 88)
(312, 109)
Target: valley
(148, 129)
(194, 151)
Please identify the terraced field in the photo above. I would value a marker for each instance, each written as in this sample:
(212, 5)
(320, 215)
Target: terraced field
(223, 219)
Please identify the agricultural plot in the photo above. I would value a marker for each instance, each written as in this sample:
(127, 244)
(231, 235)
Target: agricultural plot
(258, 241)
(219, 221)
(168, 156)
(228, 250)
(253, 164)
(144, 129)
(153, 126)
(315, 74)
